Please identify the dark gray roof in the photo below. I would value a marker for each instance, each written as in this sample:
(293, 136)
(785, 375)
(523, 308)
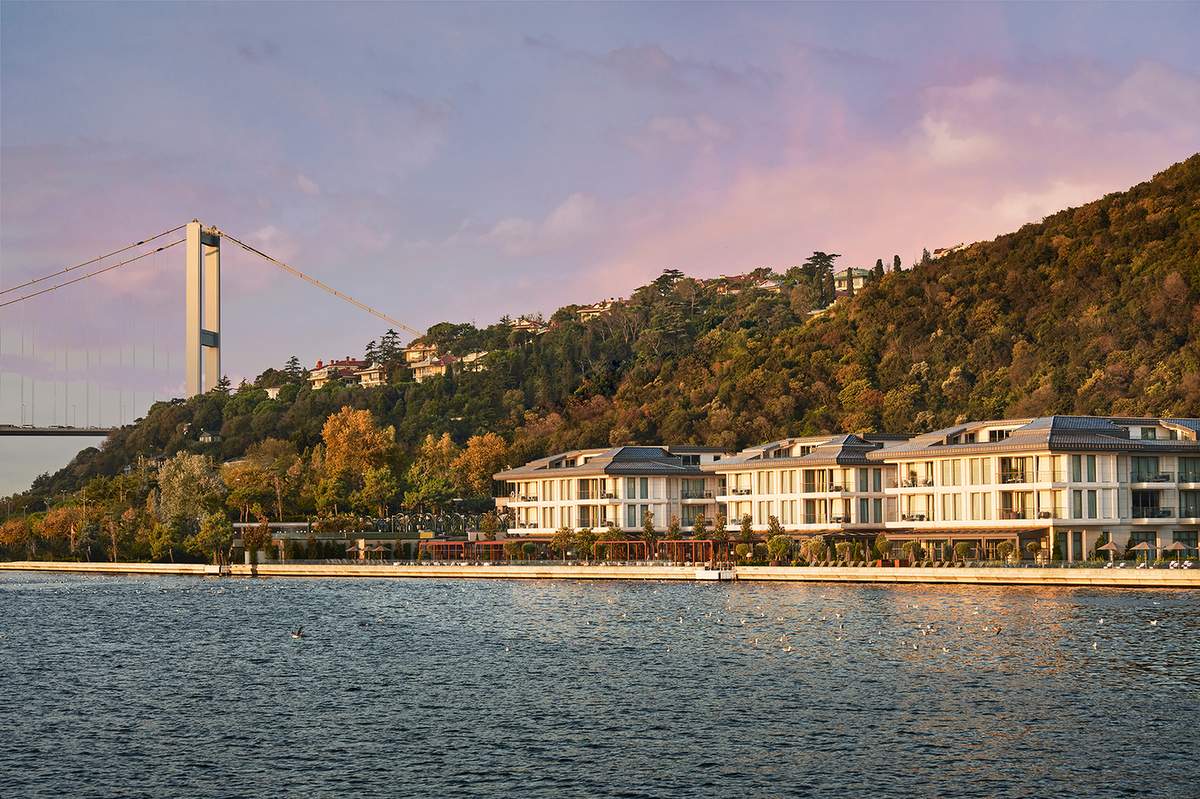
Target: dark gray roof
(1053, 433)
(627, 460)
(844, 449)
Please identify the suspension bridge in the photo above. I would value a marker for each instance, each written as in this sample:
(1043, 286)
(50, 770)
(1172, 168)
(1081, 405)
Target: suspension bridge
(200, 246)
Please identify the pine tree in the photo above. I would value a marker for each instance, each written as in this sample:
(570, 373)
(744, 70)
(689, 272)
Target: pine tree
(878, 273)
(293, 369)
(896, 263)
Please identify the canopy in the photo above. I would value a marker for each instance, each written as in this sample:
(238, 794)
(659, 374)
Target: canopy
(1175, 546)
(1142, 547)
(1109, 547)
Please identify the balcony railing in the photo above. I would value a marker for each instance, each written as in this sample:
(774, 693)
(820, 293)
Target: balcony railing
(522, 498)
(694, 494)
(912, 517)
(1152, 477)
(1029, 476)
(916, 482)
(1189, 476)
(740, 492)
(1009, 514)
(1153, 512)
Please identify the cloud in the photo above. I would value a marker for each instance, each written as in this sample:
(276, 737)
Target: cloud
(699, 131)
(944, 145)
(651, 65)
(307, 185)
(575, 218)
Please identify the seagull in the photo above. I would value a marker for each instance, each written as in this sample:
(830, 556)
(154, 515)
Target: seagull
(1095, 645)
(1154, 622)
(298, 632)
(1102, 621)
(945, 650)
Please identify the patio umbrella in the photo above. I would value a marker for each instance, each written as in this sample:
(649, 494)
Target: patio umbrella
(1144, 546)
(1110, 548)
(1175, 546)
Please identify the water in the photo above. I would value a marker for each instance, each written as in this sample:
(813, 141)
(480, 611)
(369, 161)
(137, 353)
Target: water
(128, 686)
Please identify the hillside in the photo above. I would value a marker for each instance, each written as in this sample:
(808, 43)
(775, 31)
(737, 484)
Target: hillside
(1094, 310)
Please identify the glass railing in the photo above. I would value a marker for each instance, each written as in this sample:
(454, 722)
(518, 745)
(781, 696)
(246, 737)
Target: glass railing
(1017, 513)
(1189, 476)
(1153, 512)
(1155, 476)
(695, 494)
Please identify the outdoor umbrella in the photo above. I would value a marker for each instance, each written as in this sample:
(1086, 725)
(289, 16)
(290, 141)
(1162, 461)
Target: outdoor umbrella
(1110, 548)
(1142, 547)
(1175, 546)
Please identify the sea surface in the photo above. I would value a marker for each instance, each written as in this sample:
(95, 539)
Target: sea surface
(186, 687)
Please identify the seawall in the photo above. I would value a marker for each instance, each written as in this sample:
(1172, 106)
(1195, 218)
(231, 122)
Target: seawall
(1109, 578)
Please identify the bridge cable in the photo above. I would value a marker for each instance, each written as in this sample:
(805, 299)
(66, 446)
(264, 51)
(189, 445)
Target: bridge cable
(297, 273)
(94, 260)
(92, 274)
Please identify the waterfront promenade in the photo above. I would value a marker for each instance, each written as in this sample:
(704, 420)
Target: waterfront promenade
(1108, 578)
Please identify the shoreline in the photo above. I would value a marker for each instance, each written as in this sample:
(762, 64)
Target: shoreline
(1080, 577)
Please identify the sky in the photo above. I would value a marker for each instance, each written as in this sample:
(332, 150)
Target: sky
(463, 162)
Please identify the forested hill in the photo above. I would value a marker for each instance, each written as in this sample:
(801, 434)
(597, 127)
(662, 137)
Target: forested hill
(1093, 310)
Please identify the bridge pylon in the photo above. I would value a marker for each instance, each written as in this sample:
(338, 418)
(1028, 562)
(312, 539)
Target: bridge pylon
(202, 315)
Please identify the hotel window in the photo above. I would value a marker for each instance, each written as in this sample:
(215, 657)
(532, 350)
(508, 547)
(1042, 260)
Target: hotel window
(630, 515)
(1143, 469)
(764, 510)
(1076, 504)
(864, 510)
(1090, 461)
(690, 512)
(785, 478)
(878, 480)
(1189, 504)
(1076, 468)
(1092, 505)
(878, 503)
(1149, 433)
(950, 472)
(981, 506)
(645, 486)
(630, 488)
(951, 506)
(785, 510)
(1189, 470)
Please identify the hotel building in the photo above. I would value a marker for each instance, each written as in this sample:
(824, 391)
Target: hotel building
(1061, 484)
(1068, 483)
(592, 487)
(812, 485)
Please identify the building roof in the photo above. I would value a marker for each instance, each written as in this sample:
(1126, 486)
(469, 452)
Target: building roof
(624, 460)
(1050, 433)
(840, 450)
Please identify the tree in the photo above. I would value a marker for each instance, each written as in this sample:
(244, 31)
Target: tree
(746, 529)
(877, 273)
(774, 528)
(896, 265)
(214, 537)
(699, 526)
(962, 549)
(256, 538)
(562, 540)
(378, 490)
(649, 534)
(585, 541)
(883, 546)
(188, 487)
(16, 538)
(430, 477)
(720, 532)
(278, 459)
(482, 457)
(354, 443)
(223, 385)
(249, 487)
(778, 547)
(294, 370)
(489, 525)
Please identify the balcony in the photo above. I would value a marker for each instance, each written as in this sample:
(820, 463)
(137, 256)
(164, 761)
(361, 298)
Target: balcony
(912, 517)
(1152, 512)
(1052, 513)
(1189, 477)
(741, 492)
(1027, 476)
(1009, 514)
(913, 481)
(693, 494)
(1152, 477)
(840, 519)
(521, 497)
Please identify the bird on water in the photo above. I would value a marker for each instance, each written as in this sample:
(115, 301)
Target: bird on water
(298, 632)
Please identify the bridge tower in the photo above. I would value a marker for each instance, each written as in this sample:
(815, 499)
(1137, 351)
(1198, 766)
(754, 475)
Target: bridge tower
(202, 315)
